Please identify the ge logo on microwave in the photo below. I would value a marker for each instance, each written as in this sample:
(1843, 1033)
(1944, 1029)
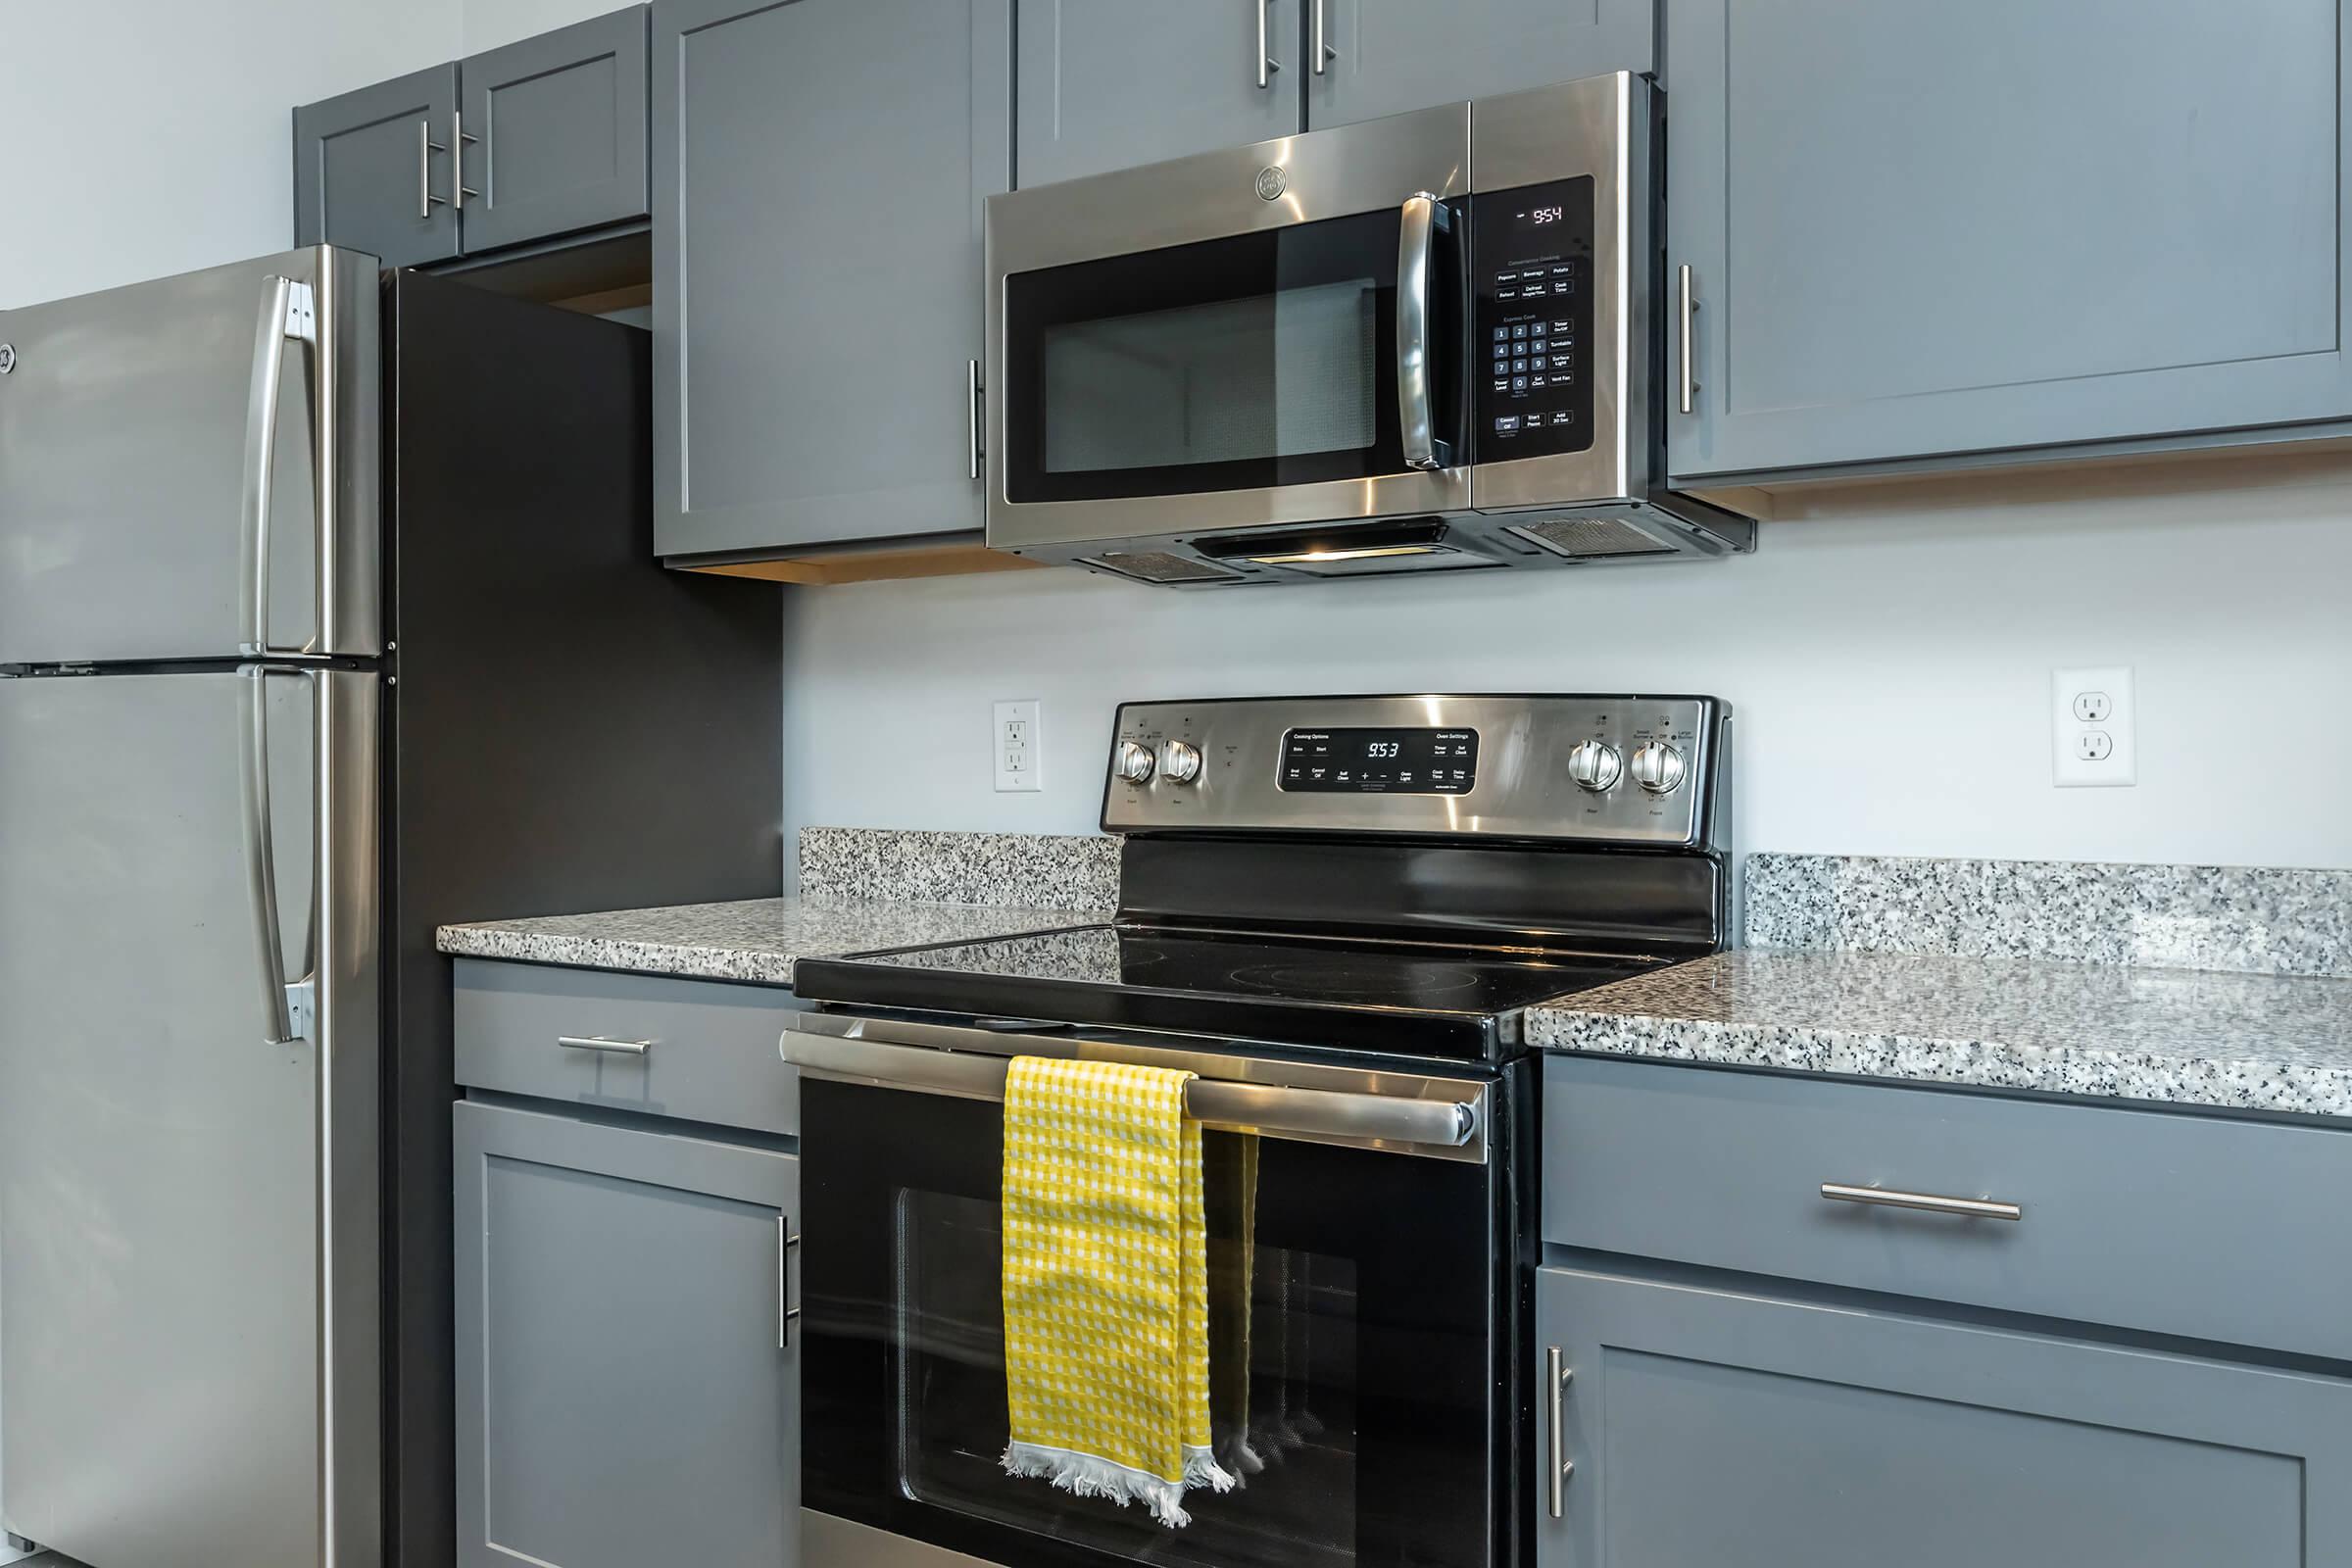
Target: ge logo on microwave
(1271, 182)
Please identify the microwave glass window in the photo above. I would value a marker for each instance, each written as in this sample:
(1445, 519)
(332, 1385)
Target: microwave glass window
(1282, 1401)
(1259, 361)
(1271, 375)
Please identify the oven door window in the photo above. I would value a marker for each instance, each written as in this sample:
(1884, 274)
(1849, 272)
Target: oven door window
(1350, 1304)
(1253, 362)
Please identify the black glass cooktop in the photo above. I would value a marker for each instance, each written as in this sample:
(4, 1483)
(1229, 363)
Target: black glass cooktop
(1417, 999)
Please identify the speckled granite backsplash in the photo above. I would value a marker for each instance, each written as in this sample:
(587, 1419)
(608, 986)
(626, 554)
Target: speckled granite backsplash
(1008, 870)
(2245, 919)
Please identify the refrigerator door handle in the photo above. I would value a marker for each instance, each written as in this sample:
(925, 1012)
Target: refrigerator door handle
(289, 313)
(280, 1002)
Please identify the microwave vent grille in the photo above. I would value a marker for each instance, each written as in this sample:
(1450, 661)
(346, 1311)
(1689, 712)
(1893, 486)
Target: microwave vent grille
(1593, 537)
(1161, 566)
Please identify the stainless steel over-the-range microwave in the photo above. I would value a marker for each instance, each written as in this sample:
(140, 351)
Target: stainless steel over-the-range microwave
(1431, 341)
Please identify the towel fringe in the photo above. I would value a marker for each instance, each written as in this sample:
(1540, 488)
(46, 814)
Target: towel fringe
(1086, 1475)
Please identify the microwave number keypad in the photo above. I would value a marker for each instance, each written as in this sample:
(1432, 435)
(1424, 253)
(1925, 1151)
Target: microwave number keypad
(1533, 268)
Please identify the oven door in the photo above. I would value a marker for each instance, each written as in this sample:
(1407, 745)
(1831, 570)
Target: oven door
(1355, 1390)
(1268, 335)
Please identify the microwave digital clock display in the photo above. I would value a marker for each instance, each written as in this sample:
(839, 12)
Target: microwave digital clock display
(1379, 762)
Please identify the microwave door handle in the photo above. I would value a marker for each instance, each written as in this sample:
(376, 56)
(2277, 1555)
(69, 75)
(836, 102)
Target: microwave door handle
(1424, 217)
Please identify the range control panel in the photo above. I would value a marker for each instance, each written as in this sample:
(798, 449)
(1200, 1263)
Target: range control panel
(1532, 265)
(1379, 762)
(1624, 770)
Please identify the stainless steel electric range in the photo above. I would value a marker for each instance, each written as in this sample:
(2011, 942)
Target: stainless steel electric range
(1335, 910)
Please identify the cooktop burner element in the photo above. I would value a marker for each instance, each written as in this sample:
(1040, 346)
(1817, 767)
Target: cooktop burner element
(1396, 874)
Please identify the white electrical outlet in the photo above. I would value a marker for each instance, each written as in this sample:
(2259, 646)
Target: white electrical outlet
(2092, 743)
(1019, 743)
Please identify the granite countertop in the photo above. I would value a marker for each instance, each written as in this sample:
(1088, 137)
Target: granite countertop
(2182, 1037)
(756, 940)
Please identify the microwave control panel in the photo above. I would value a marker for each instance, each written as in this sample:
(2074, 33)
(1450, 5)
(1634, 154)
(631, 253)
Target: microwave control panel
(1532, 266)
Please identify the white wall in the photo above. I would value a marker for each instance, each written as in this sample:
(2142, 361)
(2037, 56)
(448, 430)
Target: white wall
(491, 23)
(144, 137)
(1889, 666)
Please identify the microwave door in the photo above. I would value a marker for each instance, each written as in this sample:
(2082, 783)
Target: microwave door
(1301, 363)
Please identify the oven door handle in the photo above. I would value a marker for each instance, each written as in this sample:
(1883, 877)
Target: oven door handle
(1424, 218)
(1220, 1103)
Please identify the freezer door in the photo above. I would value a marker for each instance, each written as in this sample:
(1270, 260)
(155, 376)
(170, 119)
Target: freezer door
(189, 1270)
(189, 468)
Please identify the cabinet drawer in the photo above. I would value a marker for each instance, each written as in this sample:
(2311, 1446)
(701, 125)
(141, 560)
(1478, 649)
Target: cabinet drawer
(709, 1050)
(2215, 1229)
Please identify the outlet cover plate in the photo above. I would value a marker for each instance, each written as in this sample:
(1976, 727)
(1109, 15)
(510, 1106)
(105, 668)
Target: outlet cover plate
(2094, 728)
(1018, 744)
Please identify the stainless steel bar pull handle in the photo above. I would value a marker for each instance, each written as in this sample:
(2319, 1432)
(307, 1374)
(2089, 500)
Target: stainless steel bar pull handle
(611, 1047)
(260, 856)
(974, 390)
(289, 313)
(1424, 218)
(460, 141)
(1557, 1376)
(426, 201)
(786, 1240)
(1689, 310)
(1267, 65)
(1324, 52)
(1924, 1202)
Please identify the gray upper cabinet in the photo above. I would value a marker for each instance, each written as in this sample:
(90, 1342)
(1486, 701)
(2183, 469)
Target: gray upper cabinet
(625, 1391)
(1920, 229)
(1109, 83)
(556, 131)
(529, 143)
(1708, 1426)
(1368, 57)
(373, 169)
(819, 168)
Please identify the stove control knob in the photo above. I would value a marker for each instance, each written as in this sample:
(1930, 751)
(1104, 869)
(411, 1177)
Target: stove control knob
(1179, 762)
(1134, 762)
(1659, 769)
(1596, 765)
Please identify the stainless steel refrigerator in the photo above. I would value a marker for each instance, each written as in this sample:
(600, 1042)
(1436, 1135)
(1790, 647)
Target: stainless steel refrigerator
(328, 614)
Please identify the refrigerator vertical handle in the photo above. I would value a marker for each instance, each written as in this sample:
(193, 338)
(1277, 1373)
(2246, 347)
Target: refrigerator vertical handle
(260, 856)
(1424, 218)
(289, 313)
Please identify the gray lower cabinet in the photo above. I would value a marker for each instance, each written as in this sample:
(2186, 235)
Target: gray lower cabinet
(625, 1393)
(1110, 83)
(1385, 57)
(1917, 231)
(1707, 1426)
(513, 145)
(556, 131)
(819, 168)
(372, 171)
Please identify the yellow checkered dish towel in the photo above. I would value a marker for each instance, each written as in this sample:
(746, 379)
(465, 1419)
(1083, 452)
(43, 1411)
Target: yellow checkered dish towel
(1106, 1284)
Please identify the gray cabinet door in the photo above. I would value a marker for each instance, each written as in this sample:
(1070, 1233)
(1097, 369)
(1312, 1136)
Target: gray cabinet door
(1369, 58)
(373, 169)
(556, 131)
(624, 1395)
(1707, 1426)
(1922, 229)
(818, 173)
(1110, 83)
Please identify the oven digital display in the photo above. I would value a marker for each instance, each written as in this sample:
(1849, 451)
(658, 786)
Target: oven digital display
(1380, 762)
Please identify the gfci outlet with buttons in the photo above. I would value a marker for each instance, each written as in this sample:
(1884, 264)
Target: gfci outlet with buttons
(1018, 744)
(2092, 739)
